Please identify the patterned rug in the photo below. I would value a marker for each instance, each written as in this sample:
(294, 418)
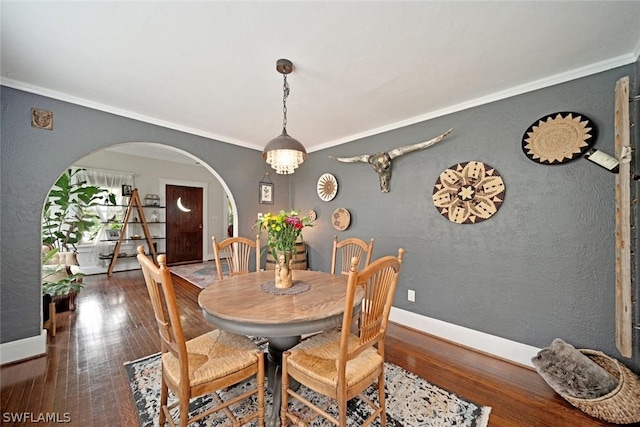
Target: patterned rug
(201, 274)
(410, 400)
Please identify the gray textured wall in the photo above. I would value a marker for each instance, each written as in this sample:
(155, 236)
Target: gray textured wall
(542, 267)
(32, 159)
(635, 211)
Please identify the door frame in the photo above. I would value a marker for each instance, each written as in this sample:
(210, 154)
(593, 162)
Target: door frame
(206, 253)
(163, 182)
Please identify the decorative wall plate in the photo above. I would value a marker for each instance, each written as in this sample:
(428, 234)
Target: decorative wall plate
(559, 138)
(468, 192)
(327, 187)
(341, 219)
(312, 215)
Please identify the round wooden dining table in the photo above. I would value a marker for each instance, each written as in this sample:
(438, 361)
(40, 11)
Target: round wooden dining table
(248, 304)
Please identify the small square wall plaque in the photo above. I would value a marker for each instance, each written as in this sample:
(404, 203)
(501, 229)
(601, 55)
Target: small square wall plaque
(41, 119)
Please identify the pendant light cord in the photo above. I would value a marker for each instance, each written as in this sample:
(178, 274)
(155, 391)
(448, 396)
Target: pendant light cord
(285, 90)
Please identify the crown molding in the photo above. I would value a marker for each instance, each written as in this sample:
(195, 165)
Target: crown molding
(37, 90)
(497, 96)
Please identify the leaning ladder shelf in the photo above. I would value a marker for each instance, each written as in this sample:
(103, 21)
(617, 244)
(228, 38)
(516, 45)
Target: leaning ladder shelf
(134, 202)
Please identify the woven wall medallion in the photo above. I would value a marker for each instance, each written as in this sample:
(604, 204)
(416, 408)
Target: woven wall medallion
(559, 138)
(468, 192)
(313, 215)
(327, 187)
(341, 219)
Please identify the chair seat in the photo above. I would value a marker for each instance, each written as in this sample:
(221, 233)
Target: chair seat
(211, 356)
(317, 358)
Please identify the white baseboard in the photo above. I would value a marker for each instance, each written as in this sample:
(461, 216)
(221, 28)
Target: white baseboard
(23, 349)
(500, 347)
(506, 349)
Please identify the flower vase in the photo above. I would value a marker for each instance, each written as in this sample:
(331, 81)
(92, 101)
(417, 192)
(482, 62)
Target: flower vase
(284, 279)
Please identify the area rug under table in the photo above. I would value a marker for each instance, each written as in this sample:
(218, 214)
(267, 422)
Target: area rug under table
(201, 274)
(410, 401)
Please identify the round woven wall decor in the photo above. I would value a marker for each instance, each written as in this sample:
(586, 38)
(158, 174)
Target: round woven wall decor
(468, 192)
(341, 219)
(327, 187)
(559, 138)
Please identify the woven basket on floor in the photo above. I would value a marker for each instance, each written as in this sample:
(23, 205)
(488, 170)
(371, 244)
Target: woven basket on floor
(622, 405)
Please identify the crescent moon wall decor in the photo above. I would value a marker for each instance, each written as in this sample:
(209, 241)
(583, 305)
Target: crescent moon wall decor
(559, 138)
(327, 187)
(468, 192)
(181, 206)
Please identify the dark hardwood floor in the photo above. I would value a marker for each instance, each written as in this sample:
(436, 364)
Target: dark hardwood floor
(83, 376)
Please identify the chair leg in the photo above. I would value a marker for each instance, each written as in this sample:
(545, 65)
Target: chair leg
(381, 400)
(164, 393)
(260, 381)
(341, 399)
(284, 407)
(184, 412)
(342, 409)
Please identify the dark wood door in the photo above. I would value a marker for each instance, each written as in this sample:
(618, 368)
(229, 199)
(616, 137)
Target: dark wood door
(184, 224)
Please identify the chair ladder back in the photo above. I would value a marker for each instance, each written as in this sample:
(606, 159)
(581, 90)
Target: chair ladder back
(378, 289)
(237, 258)
(237, 253)
(350, 248)
(163, 300)
(162, 318)
(379, 281)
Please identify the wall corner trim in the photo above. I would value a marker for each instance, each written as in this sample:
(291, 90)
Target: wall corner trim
(512, 351)
(25, 348)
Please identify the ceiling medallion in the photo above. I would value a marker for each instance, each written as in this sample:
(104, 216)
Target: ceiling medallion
(327, 187)
(469, 192)
(559, 138)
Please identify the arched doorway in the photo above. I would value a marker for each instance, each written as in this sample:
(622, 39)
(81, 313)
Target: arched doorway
(153, 166)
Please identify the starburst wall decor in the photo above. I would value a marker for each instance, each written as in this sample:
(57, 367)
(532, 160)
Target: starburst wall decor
(327, 187)
(559, 138)
(468, 192)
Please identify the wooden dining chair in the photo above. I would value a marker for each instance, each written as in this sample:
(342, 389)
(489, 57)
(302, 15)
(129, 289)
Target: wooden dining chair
(237, 253)
(202, 365)
(349, 248)
(342, 364)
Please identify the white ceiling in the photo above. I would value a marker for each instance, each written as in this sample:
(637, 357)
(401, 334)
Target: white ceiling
(361, 68)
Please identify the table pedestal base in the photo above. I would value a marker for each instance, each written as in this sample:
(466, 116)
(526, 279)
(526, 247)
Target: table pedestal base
(277, 346)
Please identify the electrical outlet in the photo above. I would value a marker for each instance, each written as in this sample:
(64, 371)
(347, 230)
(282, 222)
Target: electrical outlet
(260, 214)
(411, 295)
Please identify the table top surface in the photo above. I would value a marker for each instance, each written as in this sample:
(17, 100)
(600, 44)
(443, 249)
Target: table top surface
(240, 301)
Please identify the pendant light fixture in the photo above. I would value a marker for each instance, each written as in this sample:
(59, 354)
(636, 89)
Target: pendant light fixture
(283, 152)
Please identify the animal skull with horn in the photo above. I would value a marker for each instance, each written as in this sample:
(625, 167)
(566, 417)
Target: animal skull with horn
(381, 162)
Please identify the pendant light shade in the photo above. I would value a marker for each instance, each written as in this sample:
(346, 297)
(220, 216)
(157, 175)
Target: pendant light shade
(284, 153)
